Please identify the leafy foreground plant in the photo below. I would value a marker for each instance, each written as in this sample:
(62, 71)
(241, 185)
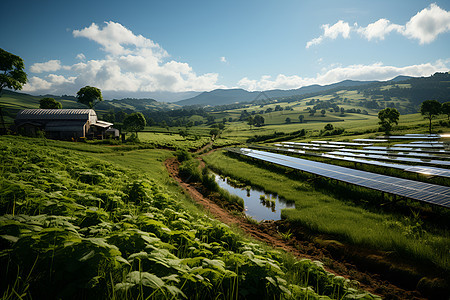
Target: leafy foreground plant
(65, 234)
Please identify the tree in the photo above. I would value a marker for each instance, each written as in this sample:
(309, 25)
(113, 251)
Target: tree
(134, 122)
(301, 118)
(49, 103)
(446, 109)
(250, 121)
(12, 74)
(430, 109)
(89, 96)
(288, 120)
(258, 121)
(388, 117)
(329, 127)
(323, 111)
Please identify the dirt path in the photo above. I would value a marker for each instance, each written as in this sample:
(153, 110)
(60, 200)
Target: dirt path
(302, 244)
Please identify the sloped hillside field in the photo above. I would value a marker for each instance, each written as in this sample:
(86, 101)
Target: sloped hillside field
(74, 226)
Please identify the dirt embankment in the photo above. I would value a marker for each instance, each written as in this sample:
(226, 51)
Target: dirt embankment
(375, 270)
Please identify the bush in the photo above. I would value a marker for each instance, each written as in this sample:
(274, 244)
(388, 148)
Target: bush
(183, 155)
(189, 171)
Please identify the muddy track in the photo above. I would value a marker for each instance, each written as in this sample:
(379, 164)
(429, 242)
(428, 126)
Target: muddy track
(339, 259)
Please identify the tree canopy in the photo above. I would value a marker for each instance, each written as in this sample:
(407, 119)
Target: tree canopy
(388, 117)
(49, 103)
(89, 96)
(446, 109)
(134, 122)
(12, 74)
(430, 109)
(258, 121)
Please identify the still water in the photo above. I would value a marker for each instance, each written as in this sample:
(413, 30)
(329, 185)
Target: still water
(254, 206)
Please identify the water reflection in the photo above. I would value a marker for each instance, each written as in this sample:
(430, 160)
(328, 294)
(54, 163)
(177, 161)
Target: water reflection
(259, 205)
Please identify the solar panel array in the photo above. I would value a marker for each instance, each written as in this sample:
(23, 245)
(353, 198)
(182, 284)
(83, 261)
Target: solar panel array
(423, 161)
(336, 155)
(413, 136)
(341, 143)
(408, 149)
(421, 145)
(426, 192)
(391, 153)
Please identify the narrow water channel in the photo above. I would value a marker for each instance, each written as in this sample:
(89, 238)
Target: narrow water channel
(267, 209)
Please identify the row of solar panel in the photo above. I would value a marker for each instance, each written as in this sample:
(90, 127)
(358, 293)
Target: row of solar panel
(324, 147)
(426, 192)
(342, 156)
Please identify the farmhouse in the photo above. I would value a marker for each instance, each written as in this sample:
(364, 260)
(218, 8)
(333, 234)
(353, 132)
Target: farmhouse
(61, 124)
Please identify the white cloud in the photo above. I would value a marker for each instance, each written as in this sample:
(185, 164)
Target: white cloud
(223, 59)
(133, 64)
(425, 26)
(49, 66)
(115, 38)
(81, 56)
(376, 71)
(379, 29)
(331, 32)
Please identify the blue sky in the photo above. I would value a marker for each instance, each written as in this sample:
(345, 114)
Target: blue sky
(137, 48)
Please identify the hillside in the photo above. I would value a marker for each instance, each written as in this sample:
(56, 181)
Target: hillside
(401, 88)
(230, 96)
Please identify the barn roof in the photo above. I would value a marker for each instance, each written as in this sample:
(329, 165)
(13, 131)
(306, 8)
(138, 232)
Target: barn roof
(55, 114)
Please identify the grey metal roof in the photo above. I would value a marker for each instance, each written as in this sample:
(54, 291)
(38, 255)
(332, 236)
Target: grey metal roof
(55, 114)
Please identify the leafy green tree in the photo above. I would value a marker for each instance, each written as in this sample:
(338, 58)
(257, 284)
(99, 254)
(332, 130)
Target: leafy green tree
(329, 127)
(49, 103)
(214, 132)
(89, 96)
(301, 118)
(446, 109)
(12, 74)
(134, 122)
(288, 120)
(430, 109)
(388, 117)
(250, 121)
(323, 112)
(258, 121)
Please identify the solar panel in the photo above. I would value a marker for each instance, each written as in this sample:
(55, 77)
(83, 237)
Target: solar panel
(407, 149)
(412, 136)
(400, 154)
(421, 145)
(371, 140)
(426, 142)
(424, 170)
(426, 192)
(424, 161)
(342, 143)
(312, 144)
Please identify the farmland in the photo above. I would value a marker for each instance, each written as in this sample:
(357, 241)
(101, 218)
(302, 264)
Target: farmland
(104, 225)
(103, 219)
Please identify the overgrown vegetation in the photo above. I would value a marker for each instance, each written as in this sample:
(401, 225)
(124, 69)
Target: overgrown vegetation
(93, 230)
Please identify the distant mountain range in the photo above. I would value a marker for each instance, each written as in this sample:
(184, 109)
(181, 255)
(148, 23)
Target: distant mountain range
(230, 96)
(414, 90)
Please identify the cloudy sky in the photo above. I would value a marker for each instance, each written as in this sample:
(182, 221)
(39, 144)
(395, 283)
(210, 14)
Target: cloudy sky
(142, 48)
